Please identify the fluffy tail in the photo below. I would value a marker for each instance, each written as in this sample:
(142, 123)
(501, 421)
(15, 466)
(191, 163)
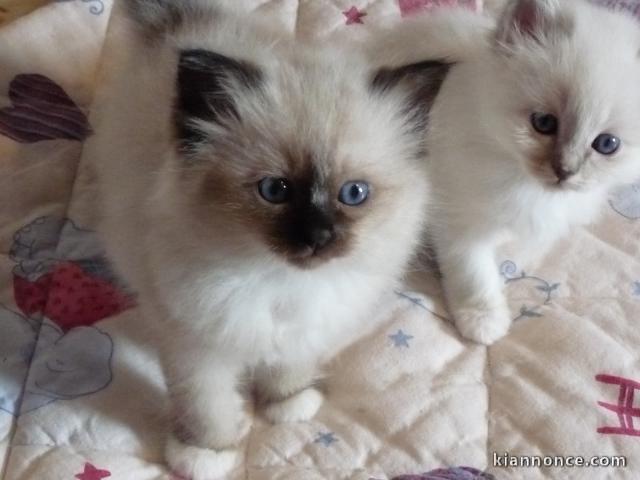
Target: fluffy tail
(451, 34)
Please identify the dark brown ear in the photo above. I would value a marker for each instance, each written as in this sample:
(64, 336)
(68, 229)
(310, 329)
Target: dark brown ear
(420, 81)
(526, 20)
(207, 85)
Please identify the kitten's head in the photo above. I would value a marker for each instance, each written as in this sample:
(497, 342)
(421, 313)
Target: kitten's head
(302, 154)
(316, 158)
(575, 111)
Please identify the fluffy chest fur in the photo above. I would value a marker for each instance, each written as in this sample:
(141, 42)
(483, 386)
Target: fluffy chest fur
(276, 315)
(531, 210)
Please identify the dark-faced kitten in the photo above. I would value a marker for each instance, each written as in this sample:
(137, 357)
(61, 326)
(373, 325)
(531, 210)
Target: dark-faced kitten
(262, 196)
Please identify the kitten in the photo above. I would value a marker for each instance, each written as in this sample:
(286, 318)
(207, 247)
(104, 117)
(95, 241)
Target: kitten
(529, 133)
(262, 196)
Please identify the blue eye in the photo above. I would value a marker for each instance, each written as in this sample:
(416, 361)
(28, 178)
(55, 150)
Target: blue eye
(354, 193)
(275, 190)
(544, 123)
(606, 144)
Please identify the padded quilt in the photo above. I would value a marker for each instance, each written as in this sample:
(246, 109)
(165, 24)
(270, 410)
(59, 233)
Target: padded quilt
(81, 392)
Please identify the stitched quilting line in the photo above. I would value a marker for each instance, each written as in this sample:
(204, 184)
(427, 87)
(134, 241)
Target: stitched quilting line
(14, 422)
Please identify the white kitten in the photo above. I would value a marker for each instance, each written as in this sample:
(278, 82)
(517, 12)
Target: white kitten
(528, 134)
(261, 196)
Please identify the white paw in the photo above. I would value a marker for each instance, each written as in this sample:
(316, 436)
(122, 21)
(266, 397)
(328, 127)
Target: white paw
(299, 407)
(195, 463)
(229, 430)
(482, 323)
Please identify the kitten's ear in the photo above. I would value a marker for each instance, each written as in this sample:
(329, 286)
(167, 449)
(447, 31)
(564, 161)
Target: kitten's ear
(525, 20)
(421, 81)
(208, 84)
(156, 18)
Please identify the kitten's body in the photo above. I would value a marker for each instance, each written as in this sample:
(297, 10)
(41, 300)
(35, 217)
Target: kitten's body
(216, 267)
(494, 175)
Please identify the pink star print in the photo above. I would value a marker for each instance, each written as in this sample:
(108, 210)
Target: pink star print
(354, 15)
(92, 473)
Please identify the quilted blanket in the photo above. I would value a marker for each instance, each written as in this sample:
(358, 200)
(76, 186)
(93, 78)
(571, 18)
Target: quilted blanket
(83, 397)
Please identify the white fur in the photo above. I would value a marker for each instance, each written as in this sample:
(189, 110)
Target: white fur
(299, 407)
(481, 138)
(227, 303)
(199, 463)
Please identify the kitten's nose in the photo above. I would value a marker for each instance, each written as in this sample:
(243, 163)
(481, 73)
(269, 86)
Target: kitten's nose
(563, 173)
(317, 228)
(319, 237)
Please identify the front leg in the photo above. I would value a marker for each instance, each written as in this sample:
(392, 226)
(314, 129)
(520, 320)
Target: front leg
(287, 392)
(208, 415)
(473, 290)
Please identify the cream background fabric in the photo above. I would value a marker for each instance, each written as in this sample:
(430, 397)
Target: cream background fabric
(409, 397)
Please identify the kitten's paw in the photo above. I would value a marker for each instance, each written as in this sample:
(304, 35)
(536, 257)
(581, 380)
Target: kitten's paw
(221, 430)
(483, 324)
(299, 407)
(230, 430)
(197, 463)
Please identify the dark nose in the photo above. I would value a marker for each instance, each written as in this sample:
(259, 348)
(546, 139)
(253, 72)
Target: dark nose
(562, 173)
(318, 230)
(319, 237)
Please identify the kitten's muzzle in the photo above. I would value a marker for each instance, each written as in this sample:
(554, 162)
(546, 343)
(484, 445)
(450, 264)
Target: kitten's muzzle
(318, 233)
(563, 173)
(564, 167)
(321, 238)
(311, 235)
